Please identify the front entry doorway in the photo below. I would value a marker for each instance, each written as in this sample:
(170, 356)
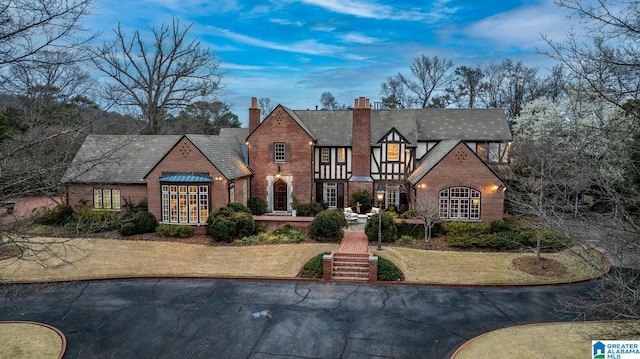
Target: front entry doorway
(280, 196)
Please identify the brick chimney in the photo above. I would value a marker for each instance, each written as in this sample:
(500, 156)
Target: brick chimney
(254, 115)
(361, 138)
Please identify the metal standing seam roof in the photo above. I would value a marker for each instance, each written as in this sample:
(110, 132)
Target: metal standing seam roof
(182, 178)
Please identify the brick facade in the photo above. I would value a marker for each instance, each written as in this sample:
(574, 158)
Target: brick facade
(461, 167)
(295, 171)
(81, 195)
(186, 158)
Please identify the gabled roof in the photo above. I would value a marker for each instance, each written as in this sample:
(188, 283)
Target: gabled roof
(225, 153)
(334, 128)
(240, 133)
(118, 158)
(128, 159)
(431, 159)
(331, 128)
(475, 124)
(404, 121)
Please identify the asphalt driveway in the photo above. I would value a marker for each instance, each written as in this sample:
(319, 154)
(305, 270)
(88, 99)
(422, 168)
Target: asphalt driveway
(177, 318)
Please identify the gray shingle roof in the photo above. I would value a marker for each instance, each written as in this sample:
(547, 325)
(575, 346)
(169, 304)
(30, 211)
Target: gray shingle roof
(240, 133)
(129, 158)
(333, 128)
(224, 152)
(118, 158)
(431, 159)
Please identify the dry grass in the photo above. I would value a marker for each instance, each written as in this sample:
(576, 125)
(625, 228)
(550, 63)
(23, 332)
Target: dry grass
(28, 340)
(106, 258)
(452, 267)
(556, 340)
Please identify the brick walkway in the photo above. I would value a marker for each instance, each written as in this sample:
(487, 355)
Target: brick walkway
(353, 242)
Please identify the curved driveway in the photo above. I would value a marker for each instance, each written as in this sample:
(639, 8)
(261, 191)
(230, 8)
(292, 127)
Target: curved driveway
(186, 318)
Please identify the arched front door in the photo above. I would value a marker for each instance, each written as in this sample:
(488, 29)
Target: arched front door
(280, 196)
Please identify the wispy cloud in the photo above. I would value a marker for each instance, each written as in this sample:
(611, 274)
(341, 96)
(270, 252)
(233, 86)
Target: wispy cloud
(521, 28)
(358, 38)
(372, 10)
(309, 47)
(286, 22)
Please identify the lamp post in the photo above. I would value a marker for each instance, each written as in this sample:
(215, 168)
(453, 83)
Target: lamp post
(380, 195)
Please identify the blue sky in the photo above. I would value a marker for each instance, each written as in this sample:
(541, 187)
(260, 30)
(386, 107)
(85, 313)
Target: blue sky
(293, 51)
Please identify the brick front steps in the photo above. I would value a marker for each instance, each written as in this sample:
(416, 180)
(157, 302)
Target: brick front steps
(351, 262)
(350, 267)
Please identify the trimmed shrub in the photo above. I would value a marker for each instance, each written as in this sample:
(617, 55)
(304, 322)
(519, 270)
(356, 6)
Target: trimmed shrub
(239, 207)
(257, 206)
(182, 231)
(307, 209)
(128, 229)
(387, 271)
(389, 228)
(57, 216)
(363, 197)
(177, 231)
(141, 222)
(502, 235)
(313, 268)
(245, 226)
(226, 224)
(328, 226)
(222, 229)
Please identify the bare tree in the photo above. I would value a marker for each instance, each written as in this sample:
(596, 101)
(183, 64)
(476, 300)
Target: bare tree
(428, 73)
(265, 105)
(393, 95)
(41, 47)
(29, 27)
(328, 101)
(427, 209)
(467, 85)
(509, 86)
(155, 79)
(606, 56)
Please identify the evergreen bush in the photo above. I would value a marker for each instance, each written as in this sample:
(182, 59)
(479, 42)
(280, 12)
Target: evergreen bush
(328, 226)
(389, 228)
(363, 197)
(257, 206)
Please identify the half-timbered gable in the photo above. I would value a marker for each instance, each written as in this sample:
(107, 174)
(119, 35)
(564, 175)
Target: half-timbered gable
(392, 158)
(456, 157)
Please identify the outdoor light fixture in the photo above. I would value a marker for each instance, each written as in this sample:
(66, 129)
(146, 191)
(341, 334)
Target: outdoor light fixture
(278, 174)
(218, 178)
(380, 194)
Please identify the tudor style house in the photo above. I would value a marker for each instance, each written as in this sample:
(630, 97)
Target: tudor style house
(448, 160)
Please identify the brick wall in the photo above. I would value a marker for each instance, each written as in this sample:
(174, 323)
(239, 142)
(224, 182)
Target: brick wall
(81, 195)
(361, 138)
(185, 158)
(461, 167)
(280, 127)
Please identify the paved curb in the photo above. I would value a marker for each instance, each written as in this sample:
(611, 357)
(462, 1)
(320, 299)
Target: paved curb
(62, 337)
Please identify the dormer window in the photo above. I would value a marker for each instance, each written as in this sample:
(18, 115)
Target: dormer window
(393, 152)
